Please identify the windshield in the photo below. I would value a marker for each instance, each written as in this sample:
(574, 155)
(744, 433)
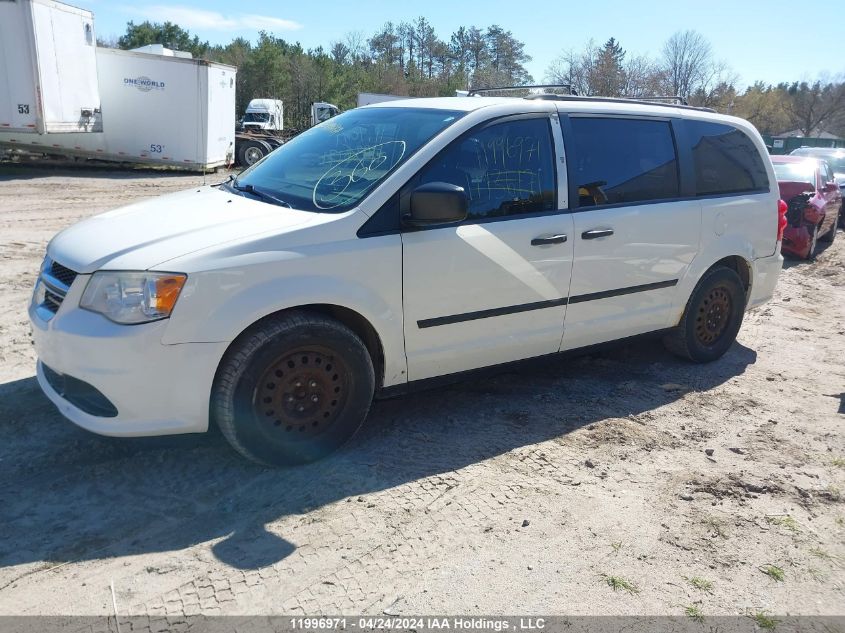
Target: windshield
(333, 166)
(834, 158)
(796, 172)
(256, 117)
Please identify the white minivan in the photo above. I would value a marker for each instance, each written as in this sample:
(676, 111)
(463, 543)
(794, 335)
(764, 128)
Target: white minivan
(397, 245)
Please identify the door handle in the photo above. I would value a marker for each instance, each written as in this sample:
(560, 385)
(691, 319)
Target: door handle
(594, 233)
(548, 239)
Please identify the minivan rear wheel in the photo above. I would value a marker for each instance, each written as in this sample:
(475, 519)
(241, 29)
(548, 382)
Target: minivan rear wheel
(712, 317)
(292, 389)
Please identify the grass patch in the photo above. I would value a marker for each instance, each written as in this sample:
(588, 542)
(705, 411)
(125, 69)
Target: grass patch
(616, 546)
(617, 582)
(694, 613)
(716, 525)
(840, 521)
(699, 583)
(784, 521)
(817, 574)
(765, 621)
(818, 552)
(839, 462)
(834, 492)
(773, 571)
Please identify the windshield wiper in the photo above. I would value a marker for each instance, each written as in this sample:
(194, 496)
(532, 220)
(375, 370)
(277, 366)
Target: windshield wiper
(224, 182)
(259, 193)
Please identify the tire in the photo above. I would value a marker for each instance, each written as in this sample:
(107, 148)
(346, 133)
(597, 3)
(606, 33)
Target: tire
(711, 319)
(292, 389)
(831, 234)
(814, 243)
(250, 152)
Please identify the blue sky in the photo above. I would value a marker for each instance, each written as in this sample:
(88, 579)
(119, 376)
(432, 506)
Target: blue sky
(772, 41)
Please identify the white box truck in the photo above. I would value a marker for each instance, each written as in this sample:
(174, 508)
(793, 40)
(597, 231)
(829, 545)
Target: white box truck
(157, 107)
(48, 70)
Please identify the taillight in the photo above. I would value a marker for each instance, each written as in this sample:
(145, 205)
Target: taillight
(782, 207)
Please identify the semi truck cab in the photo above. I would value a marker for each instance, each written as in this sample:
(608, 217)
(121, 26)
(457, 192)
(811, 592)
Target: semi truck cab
(264, 114)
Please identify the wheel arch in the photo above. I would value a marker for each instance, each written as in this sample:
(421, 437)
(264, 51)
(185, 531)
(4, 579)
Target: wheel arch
(737, 261)
(352, 319)
(741, 266)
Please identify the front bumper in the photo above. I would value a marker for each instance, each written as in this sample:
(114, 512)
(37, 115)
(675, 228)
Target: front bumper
(156, 389)
(764, 279)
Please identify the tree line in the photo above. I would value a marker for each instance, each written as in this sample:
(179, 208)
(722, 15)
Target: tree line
(686, 66)
(409, 58)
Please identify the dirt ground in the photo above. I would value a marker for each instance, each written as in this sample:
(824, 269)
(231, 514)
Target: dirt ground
(577, 486)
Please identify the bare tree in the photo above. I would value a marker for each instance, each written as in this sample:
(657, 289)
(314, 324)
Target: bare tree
(687, 61)
(606, 71)
(575, 69)
(642, 78)
(356, 44)
(815, 105)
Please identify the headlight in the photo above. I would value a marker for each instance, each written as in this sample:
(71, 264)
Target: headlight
(132, 297)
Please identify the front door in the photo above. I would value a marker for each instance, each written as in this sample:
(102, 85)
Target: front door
(493, 288)
(633, 239)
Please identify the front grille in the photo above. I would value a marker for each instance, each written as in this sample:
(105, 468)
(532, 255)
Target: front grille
(63, 274)
(52, 301)
(80, 394)
(56, 280)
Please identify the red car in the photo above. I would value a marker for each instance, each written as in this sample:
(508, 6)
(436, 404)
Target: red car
(813, 199)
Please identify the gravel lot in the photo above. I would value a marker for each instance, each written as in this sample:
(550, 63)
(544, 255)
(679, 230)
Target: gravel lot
(530, 492)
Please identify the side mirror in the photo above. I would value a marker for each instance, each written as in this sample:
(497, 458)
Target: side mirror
(437, 203)
(831, 186)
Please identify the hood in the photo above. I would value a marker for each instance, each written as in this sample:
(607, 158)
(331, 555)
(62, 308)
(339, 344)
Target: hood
(144, 234)
(790, 188)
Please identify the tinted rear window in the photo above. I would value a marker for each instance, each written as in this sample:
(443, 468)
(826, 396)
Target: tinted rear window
(725, 159)
(623, 160)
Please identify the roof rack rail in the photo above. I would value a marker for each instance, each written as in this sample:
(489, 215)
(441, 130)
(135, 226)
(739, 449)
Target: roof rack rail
(533, 90)
(680, 102)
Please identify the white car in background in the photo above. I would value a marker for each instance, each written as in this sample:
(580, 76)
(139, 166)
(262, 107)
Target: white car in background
(398, 245)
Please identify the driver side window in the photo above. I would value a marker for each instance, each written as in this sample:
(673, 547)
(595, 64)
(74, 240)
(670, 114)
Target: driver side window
(505, 168)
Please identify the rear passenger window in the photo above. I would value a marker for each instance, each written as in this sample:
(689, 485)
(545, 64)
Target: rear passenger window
(623, 160)
(506, 168)
(826, 173)
(725, 159)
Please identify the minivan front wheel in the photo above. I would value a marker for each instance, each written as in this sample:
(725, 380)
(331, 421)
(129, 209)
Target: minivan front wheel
(712, 317)
(292, 389)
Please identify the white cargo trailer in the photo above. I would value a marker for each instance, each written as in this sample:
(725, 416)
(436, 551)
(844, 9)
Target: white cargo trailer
(156, 108)
(48, 70)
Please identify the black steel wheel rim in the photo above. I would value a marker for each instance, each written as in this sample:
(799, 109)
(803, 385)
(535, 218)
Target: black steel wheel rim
(301, 394)
(713, 316)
